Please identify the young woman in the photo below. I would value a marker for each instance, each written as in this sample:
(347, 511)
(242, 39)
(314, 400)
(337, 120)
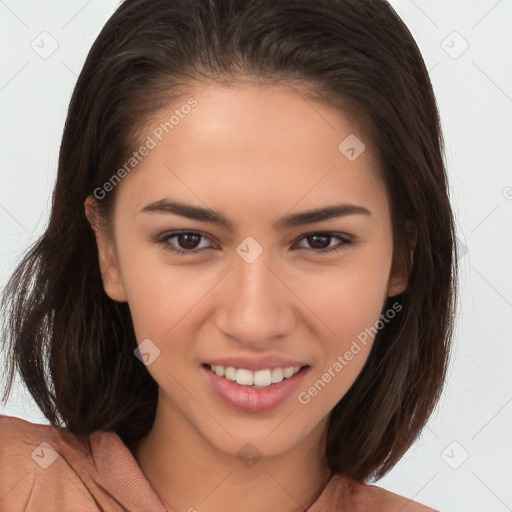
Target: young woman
(245, 294)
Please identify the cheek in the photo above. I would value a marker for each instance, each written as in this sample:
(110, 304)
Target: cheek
(158, 294)
(161, 296)
(345, 297)
(350, 298)
(350, 303)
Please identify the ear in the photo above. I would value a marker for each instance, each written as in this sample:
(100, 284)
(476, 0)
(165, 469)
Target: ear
(108, 261)
(398, 280)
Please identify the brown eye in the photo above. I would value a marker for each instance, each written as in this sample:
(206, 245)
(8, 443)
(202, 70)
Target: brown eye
(186, 242)
(321, 242)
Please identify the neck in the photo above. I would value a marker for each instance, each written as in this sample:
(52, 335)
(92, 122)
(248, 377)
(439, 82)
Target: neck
(188, 473)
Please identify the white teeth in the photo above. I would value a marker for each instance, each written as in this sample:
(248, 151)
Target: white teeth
(219, 370)
(258, 379)
(262, 378)
(244, 377)
(288, 372)
(277, 375)
(230, 372)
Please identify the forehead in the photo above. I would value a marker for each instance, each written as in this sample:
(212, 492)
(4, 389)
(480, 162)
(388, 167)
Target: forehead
(263, 117)
(265, 144)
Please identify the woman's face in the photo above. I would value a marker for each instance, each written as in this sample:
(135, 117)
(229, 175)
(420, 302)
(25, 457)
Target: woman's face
(251, 293)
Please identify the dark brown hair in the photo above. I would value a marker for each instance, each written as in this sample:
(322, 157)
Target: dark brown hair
(74, 346)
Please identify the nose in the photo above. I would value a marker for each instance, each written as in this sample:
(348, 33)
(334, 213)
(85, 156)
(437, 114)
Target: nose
(254, 305)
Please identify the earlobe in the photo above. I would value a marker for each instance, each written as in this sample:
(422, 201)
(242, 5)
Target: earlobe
(397, 286)
(107, 258)
(399, 279)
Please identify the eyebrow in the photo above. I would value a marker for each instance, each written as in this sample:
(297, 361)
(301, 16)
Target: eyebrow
(286, 222)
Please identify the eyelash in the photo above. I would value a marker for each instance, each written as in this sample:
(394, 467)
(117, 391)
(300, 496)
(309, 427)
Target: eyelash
(164, 241)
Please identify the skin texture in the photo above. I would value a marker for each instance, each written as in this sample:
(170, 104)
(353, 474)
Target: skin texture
(253, 153)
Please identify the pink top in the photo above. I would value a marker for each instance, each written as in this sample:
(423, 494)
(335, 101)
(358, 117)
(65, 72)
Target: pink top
(43, 469)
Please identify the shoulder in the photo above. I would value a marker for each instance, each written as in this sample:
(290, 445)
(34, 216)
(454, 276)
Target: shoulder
(36, 464)
(23, 444)
(342, 491)
(48, 468)
(389, 501)
(42, 443)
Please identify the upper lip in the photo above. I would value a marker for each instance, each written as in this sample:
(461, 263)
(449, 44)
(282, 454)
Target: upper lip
(254, 364)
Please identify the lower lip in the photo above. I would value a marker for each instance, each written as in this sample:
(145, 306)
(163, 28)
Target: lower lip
(247, 399)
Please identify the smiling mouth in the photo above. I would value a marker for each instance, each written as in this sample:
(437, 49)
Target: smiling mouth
(260, 379)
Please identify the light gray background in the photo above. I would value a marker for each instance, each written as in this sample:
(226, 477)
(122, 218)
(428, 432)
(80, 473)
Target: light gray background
(462, 461)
